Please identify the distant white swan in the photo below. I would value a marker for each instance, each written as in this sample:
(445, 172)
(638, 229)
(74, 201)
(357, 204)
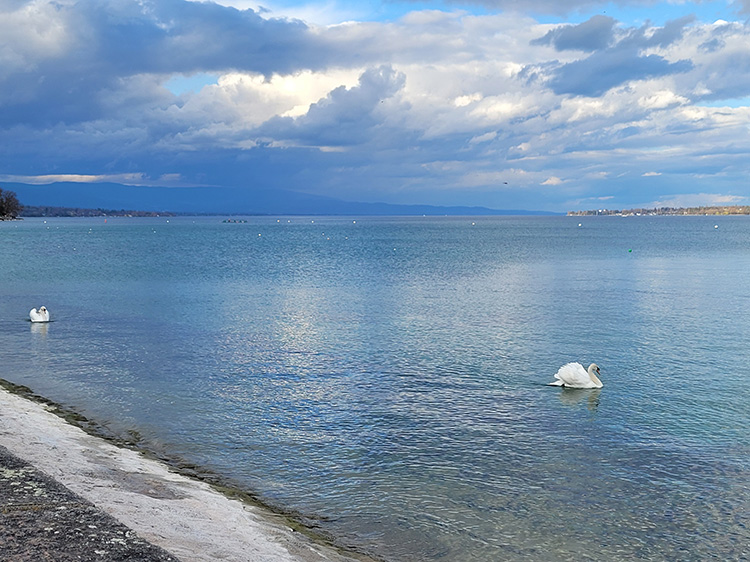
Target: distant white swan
(41, 315)
(573, 375)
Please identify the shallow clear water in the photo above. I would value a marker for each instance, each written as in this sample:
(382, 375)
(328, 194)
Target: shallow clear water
(385, 378)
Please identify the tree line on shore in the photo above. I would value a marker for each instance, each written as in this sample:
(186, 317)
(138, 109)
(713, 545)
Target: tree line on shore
(45, 211)
(10, 208)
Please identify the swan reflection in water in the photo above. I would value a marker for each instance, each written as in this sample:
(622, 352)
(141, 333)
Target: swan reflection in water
(39, 328)
(573, 397)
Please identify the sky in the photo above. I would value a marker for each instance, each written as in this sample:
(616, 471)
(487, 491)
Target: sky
(551, 105)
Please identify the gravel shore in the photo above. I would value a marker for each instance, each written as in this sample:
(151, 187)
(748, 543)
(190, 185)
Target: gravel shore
(43, 520)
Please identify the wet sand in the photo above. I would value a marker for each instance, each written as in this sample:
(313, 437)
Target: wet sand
(187, 518)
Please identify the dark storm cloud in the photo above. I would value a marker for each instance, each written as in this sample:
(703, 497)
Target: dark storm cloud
(106, 42)
(601, 32)
(616, 55)
(603, 71)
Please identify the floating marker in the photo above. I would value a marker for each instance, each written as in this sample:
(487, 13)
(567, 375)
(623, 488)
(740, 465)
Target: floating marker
(579, 224)
(630, 250)
(716, 226)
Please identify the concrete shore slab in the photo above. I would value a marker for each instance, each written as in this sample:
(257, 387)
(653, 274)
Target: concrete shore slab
(40, 519)
(183, 518)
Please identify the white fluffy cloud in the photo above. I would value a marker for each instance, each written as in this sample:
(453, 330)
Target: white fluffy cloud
(497, 110)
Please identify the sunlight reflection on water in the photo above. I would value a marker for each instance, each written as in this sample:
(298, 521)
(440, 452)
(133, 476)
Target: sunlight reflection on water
(398, 400)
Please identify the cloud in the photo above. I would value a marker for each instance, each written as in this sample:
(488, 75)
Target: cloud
(344, 117)
(725, 67)
(603, 71)
(617, 56)
(556, 7)
(433, 107)
(698, 200)
(59, 57)
(125, 179)
(592, 35)
(661, 99)
(566, 7)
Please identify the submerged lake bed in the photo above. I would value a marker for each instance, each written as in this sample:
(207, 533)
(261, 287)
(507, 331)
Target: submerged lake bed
(385, 378)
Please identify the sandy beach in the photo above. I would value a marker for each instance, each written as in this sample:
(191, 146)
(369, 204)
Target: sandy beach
(186, 517)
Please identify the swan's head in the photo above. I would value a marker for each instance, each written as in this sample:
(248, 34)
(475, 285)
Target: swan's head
(42, 309)
(593, 372)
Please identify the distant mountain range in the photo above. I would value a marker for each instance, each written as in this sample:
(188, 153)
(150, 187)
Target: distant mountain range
(221, 200)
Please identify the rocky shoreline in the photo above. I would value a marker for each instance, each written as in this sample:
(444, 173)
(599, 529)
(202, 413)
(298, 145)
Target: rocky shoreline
(43, 520)
(68, 495)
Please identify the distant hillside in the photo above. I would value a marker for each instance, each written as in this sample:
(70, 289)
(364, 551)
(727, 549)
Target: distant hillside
(220, 201)
(728, 210)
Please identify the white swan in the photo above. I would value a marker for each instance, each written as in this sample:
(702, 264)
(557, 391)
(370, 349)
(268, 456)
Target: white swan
(41, 315)
(573, 375)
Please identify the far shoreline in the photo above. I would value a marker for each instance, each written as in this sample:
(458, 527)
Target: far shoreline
(711, 211)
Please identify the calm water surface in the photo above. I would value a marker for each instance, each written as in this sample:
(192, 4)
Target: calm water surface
(385, 378)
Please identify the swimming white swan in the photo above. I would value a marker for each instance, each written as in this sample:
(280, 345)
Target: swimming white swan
(573, 375)
(41, 315)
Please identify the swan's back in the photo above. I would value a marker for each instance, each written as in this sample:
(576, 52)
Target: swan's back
(572, 374)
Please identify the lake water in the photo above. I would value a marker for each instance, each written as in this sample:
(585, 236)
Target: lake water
(384, 379)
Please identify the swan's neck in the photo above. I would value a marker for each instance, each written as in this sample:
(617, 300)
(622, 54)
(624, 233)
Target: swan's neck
(595, 379)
